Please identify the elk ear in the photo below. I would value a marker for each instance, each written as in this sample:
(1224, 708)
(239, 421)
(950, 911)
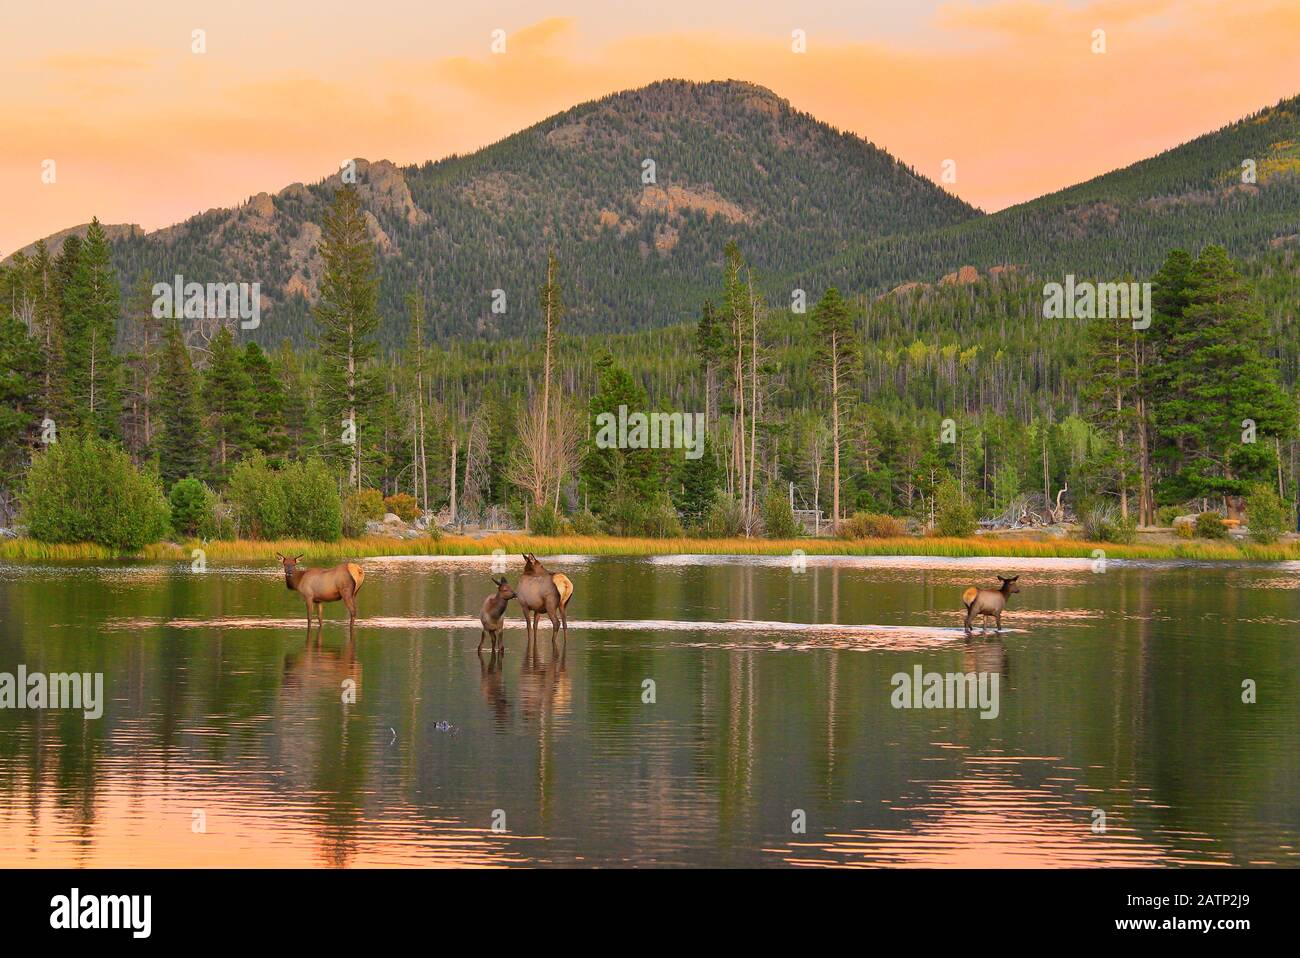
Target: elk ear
(280, 557)
(1013, 578)
(299, 556)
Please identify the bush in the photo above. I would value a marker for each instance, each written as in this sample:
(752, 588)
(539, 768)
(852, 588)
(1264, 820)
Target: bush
(299, 501)
(723, 520)
(312, 495)
(1267, 516)
(256, 495)
(1185, 530)
(1166, 515)
(953, 515)
(193, 509)
(87, 490)
(872, 525)
(1101, 522)
(778, 517)
(1209, 525)
(361, 506)
(403, 505)
(586, 524)
(544, 521)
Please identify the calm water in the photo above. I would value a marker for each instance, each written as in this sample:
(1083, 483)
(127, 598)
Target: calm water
(225, 739)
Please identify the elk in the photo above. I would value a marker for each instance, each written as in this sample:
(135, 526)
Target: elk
(562, 583)
(318, 586)
(538, 592)
(493, 614)
(988, 602)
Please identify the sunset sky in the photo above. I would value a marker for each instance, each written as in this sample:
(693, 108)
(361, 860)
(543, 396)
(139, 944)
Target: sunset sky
(143, 130)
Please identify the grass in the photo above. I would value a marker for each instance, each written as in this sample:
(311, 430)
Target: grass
(29, 550)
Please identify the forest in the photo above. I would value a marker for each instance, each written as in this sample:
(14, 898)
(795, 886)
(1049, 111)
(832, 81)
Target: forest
(928, 408)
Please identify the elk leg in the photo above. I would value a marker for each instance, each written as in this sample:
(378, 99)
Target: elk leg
(482, 633)
(999, 621)
(970, 614)
(309, 612)
(350, 601)
(555, 625)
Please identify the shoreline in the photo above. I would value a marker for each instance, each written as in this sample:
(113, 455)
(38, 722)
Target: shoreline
(512, 544)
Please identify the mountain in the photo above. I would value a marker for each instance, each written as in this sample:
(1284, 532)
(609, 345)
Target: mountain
(809, 205)
(730, 160)
(1121, 222)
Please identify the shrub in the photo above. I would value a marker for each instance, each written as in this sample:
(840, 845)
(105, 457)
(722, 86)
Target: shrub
(586, 524)
(723, 519)
(953, 515)
(1267, 516)
(312, 495)
(1209, 525)
(544, 521)
(1166, 515)
(1185, 530)
(403, 505)
(256, 495)
(88, 490)
(361, 506)
(872, 525)
(778, 517)
(1101, 522)
(299, 501)
(193, 509)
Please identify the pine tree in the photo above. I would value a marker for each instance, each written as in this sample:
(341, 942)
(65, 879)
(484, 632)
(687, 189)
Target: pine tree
(20, 395)
(228, 401)
(348, 316)
(181, 442)
(267, 432)
(837, 359)
(91, 303)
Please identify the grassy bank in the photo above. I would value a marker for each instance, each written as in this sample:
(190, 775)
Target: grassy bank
(253, 550)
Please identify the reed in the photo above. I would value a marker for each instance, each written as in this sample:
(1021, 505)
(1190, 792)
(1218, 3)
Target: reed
(29, 550)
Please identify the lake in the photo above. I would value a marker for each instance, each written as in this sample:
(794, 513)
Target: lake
(717, 711)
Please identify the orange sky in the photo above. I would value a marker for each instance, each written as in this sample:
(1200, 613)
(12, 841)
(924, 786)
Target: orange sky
(144, 130)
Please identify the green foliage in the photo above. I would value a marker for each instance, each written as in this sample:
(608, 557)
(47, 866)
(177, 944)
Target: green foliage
(1102, 522)
(1209, 525)
(869, 525)
(361, 506)
(257, 497)
(87, 490)
(778, 518)
(953, 515)
(1166, 515)
(544, 521)
(586, 524)
(724, 520)
(1267, 515)
(311, 494)
(181, 445)
(192, 508)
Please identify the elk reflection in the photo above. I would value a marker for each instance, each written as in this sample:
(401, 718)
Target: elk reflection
(986, 655)
(491, 684)
(316, 667)
(544, 683)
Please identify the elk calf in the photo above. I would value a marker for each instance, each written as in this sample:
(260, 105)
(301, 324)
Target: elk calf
(988, 602)
(493, 614)
(318, 586)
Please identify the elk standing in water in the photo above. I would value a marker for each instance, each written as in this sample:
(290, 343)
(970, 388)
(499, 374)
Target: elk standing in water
(538, 592)
(493, 614)
(318, 586)
(988, 602)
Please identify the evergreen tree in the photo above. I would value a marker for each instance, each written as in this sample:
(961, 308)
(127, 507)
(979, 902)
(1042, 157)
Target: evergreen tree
(91, 304)
(181, 443)
(348, 316)
(837, 359)
(228, 402)
(268, 434)
(20, 396)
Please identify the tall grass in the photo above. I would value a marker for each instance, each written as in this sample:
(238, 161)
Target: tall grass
(449, 545)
